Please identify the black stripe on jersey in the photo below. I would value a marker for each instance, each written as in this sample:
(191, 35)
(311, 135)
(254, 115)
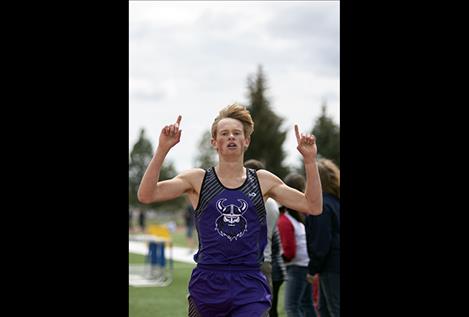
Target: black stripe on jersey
(210, 188)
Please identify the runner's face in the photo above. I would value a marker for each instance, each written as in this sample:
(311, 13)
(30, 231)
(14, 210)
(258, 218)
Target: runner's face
(230, 139)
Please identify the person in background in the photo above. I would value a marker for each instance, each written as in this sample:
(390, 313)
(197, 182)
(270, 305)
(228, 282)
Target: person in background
(298, 292)
(279, 272)
(131, 226)
(141, 220)
(323, 241)
(189, 222)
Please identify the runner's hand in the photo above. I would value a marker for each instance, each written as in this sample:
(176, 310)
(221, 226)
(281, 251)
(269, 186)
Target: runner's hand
(306, 145)
(170, 135)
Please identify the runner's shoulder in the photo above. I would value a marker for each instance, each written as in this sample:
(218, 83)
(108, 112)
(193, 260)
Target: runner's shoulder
(193, 174)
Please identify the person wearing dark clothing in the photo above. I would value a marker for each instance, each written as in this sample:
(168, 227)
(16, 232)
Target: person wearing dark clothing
(141, 220)
(323, 241)
(279, 273)
(130, 220)
(323, 237)
(298, 292)
(189, 221)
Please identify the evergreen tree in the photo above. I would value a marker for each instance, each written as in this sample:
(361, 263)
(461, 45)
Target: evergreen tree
(140, 157)
(268, 137)
(327, 134)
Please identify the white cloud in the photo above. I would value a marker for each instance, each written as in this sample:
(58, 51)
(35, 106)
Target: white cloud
(193, 58)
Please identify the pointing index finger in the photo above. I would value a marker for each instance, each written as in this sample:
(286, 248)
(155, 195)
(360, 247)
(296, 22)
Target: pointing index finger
(297, 133)
(178, 121)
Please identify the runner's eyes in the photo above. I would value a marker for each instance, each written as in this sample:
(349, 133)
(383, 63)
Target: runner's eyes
(226, 133)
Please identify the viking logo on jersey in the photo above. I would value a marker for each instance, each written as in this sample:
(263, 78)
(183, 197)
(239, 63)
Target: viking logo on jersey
(231, 223)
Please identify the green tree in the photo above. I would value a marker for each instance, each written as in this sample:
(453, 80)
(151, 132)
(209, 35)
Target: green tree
(268, 137)
(207, 155)
(327, 134)
(140, 157)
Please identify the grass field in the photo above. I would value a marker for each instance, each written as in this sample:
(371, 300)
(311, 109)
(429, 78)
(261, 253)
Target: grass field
(170, 301)
(161, 301)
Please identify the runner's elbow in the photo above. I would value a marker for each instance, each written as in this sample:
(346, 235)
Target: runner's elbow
(144, 198)
(315, 211)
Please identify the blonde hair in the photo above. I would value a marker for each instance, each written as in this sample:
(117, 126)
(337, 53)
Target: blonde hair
(330, 177)
(238, 112)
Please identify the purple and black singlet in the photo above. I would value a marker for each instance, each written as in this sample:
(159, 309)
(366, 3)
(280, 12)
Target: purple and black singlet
(232, 232)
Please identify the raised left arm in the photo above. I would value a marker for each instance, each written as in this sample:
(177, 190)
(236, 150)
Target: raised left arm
(290, 197)
(310, 201)
(313, 191)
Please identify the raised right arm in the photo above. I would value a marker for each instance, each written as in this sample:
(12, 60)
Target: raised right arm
(151, 190)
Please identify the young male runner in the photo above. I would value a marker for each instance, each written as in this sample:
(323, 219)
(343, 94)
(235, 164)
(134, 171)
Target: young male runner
(230, 216)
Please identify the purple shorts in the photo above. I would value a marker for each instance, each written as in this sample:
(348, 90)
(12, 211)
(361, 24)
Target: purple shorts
(233, 292)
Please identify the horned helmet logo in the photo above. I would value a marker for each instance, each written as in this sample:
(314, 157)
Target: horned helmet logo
(231, 222)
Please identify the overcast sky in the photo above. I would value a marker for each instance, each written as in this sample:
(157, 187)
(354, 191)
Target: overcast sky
(193, 58)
